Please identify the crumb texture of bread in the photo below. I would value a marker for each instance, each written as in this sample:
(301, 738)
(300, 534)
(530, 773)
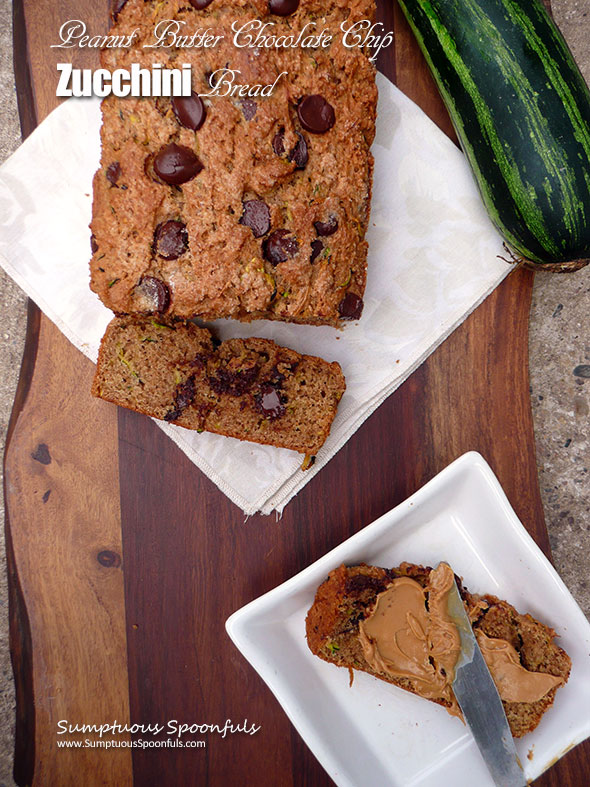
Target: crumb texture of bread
(241, 207)
(251, 389)
(346, 596)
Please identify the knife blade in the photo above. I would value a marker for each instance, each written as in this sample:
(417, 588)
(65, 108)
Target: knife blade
(480, 702)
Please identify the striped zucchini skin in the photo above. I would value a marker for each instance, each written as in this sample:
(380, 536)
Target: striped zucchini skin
(521, 110)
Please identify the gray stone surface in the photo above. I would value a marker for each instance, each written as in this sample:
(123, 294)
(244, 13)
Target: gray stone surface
(559, 344)
(12, 332)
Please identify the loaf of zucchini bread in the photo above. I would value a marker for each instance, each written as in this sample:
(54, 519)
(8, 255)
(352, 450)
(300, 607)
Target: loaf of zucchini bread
(241, 206)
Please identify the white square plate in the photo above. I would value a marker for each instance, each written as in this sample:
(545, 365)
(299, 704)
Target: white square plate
(373, 732)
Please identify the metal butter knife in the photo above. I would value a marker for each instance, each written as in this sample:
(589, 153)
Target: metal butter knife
(480, 702)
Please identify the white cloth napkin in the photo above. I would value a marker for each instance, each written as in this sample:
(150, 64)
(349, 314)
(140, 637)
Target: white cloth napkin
(433, 258)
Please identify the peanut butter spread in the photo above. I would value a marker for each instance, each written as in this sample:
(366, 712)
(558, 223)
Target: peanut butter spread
(404, 639)
(514, 682)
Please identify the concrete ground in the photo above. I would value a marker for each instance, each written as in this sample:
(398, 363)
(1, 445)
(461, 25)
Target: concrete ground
(560, 389)
(559, 348)
(12, 333)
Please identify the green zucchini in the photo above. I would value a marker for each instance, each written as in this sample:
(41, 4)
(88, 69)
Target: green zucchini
(521, 110)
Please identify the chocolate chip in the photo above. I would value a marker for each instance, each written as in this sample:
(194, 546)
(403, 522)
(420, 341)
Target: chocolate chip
(317, 248)
(235, 383)
(299, 153)
(113, 173)
(154, 293)
(358, 583)
(268, 402)
(176, 164)
(170, 239)
(350, 307)
(283, 7)
(278, 142)
(190, 111)
(249, 107)
(200, 4)
(325, 228)
(185, 393)
(93, 244)
(583, 370)
(183, 397)
(116, 8)
(256, 215)
(280, 246)
(315, 114)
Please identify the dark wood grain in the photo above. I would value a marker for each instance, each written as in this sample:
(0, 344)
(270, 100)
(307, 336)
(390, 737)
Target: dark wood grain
(66, 607)
(67, 602)
(189, 557)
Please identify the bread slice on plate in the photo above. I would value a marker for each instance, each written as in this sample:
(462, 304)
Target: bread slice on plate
(526, 664)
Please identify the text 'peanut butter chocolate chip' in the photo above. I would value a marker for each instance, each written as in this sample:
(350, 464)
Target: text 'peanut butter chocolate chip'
(325, 228)
(200, 4)
(280, 246)
(190, 111)
(176, 164)
(170, 239)
(317, 248)
(283, 7)
(278, 142)
(153, 293)
(315, 114)
(350, 307)
(249, 107)
(299, 153)
(268, 402)
(113, 173)
(256, 215)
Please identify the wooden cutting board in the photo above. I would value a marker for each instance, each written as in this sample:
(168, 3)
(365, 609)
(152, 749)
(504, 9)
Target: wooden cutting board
(124, 560)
